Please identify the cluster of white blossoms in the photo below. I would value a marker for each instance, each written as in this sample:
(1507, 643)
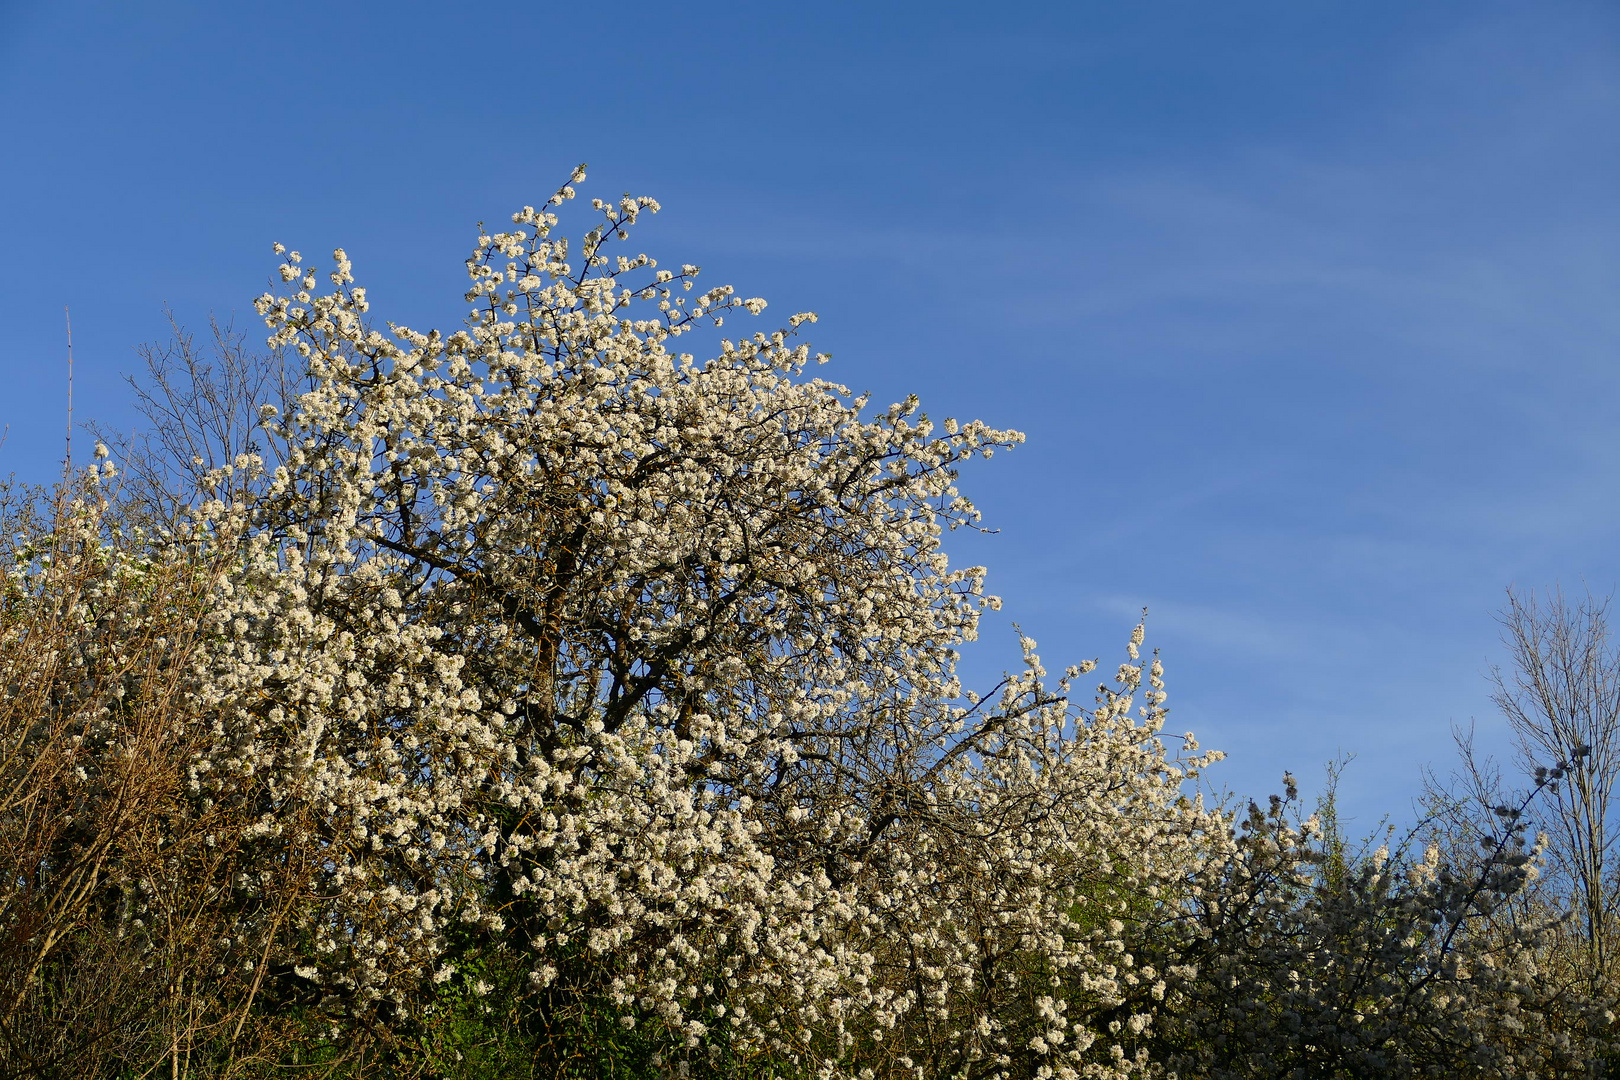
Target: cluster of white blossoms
(645, 665)
(548, 638)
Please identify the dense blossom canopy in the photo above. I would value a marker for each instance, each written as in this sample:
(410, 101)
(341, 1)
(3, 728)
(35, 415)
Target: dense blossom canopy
(650, 663)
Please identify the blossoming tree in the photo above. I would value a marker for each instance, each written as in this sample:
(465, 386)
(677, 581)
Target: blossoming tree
(645, 667)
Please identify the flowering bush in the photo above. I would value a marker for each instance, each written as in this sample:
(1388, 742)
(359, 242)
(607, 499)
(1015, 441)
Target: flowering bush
(1388, 965)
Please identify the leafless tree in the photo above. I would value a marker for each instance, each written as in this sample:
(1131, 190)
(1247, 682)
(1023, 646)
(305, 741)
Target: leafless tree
(1561, 699)
(201, 401)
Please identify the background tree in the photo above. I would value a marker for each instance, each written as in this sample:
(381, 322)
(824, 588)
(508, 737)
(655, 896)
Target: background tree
(201, 401)
(1561, 700)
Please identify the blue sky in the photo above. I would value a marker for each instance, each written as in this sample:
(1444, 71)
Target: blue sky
(1307, 309)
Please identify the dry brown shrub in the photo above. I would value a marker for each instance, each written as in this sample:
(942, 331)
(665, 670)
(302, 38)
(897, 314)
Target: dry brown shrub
(132, 941)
